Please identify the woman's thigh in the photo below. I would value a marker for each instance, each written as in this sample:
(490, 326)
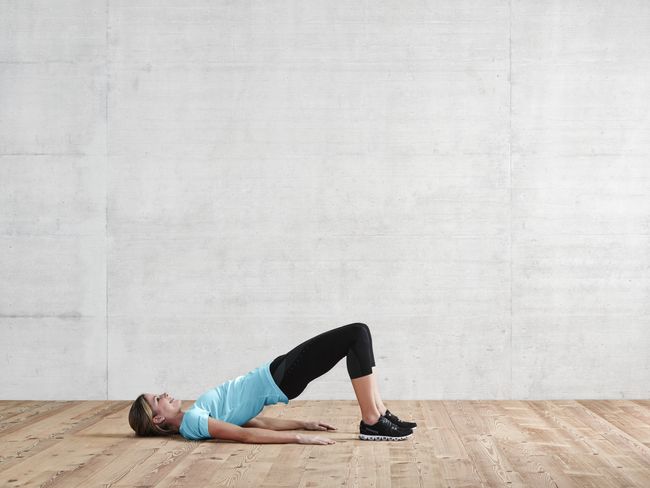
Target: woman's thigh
(316, 356)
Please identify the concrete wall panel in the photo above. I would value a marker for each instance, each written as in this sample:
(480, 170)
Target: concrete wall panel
(53, 89)
(192, 189)
(581, 199)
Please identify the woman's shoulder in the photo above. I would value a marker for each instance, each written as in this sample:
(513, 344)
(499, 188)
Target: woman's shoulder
(195, 423)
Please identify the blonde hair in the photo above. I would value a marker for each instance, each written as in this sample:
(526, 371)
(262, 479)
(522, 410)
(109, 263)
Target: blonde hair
(141, 420)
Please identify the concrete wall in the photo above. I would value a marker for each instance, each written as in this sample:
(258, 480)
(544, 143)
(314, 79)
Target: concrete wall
(191, 188)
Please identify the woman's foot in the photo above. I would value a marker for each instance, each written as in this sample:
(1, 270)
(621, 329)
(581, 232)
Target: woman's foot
(400, 423)
(383, 430)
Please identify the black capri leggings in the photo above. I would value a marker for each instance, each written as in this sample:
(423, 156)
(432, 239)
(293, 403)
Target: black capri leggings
(313, 358)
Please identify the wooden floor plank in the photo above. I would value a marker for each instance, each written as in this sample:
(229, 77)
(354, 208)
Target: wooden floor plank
(20, 416)
(613, 459)
(476, 434)
(9, 408)
(581, 443)
(588, 459)
(622, 416)
(428, 465)
(158, 462)
(639, 412)
(460, 469)
(533, 458)
(616, 435)
(47, 430)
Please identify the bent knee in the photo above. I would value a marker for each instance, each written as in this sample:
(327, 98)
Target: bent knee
(361, 327)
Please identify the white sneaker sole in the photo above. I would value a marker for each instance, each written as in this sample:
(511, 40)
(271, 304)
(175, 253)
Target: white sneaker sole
(366, 437)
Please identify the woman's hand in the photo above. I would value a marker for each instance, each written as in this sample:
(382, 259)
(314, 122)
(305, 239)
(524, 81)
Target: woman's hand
(313, 439)
(318, 425)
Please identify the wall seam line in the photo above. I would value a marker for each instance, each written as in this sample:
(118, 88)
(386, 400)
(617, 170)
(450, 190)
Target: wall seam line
(106, 183)
(510, 172)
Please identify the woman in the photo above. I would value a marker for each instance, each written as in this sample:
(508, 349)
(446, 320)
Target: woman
(229, 411)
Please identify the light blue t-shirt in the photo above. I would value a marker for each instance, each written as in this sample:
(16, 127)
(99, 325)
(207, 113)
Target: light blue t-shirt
(235, 401)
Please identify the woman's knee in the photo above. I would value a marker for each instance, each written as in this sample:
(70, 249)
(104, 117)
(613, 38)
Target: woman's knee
(361, 327)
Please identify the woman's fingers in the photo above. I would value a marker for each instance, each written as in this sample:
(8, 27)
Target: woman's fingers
(324, 426)
(318, 425)
(324, 440)
(314, 439)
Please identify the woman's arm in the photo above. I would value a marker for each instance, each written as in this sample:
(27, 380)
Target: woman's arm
(286, 424)
(278, 424)
(219, 429)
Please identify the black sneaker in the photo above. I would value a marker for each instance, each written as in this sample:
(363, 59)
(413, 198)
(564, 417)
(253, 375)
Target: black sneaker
(400, 423)
(383, 430)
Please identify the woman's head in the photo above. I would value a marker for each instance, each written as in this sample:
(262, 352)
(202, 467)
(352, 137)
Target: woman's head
(155, 415)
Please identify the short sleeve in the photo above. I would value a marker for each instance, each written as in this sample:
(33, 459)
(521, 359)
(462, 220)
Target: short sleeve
(195, 424)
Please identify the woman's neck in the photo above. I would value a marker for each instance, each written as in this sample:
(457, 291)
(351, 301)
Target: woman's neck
(175, 422)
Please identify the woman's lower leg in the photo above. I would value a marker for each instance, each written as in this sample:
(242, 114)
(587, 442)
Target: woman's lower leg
(378, 401)
(365, 391)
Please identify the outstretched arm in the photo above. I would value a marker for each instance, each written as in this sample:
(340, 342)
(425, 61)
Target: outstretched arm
(273, 423)
(219, 429)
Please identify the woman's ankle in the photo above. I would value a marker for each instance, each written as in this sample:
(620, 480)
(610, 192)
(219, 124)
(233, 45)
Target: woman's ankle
(370, 420)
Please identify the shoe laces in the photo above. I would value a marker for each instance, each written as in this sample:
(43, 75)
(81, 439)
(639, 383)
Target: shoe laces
(392, 426)
(391, 416)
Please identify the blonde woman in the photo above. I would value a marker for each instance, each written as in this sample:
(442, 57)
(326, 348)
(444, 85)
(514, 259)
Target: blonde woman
(230, 410)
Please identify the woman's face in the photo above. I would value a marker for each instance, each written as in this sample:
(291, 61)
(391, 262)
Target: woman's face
(163, 404)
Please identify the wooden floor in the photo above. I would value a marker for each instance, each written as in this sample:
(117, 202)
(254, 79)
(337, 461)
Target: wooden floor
(457, 444)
